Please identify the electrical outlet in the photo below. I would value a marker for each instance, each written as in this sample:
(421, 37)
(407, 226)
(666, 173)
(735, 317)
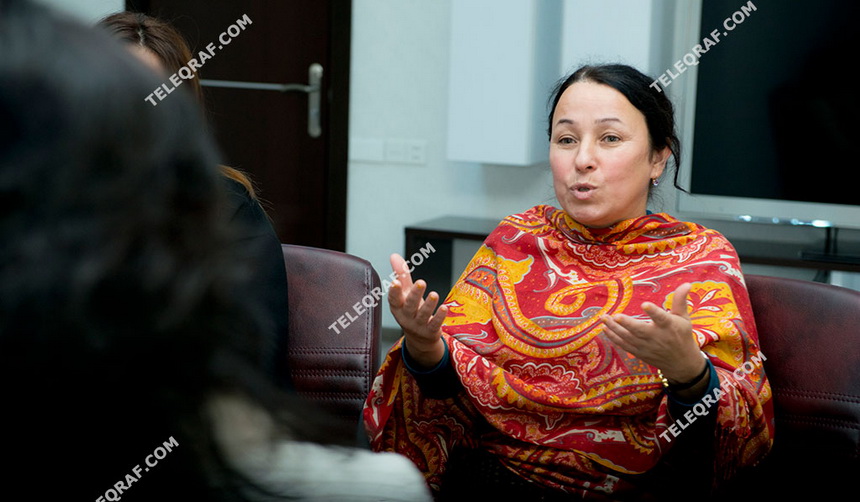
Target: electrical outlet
(416, 152)
(402, 151)
(389, 151)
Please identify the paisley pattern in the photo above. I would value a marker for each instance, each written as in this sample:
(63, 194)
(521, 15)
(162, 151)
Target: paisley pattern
(543, 388)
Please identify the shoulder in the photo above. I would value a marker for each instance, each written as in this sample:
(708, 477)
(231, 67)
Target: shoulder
(705, 239)
(711, 234)
(237, 194)
(689, 227)
(242, 207)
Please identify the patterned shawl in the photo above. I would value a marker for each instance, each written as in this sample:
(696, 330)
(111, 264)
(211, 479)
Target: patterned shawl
(544, 390)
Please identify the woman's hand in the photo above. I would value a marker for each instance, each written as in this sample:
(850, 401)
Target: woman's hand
(421, 327)
(665, 342)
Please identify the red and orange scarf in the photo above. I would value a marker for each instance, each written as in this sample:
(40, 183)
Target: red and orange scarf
(567, 408)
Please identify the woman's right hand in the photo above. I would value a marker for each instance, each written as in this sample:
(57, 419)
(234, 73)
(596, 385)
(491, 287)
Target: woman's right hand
(422, 328)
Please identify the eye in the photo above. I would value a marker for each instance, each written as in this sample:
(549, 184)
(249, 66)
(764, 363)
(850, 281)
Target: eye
(611, 138)
(565, 140)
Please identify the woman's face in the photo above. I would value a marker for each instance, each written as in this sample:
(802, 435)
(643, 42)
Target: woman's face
(600, 155)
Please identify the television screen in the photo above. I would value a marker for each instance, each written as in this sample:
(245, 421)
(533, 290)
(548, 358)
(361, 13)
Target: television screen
(777, 111)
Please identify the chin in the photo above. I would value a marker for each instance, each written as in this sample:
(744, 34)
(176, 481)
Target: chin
(580, 214)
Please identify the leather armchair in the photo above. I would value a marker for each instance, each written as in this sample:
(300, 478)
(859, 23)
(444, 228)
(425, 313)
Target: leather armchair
(810, 334)
(332, 349)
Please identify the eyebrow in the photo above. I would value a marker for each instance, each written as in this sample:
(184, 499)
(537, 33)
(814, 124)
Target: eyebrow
(598, 121)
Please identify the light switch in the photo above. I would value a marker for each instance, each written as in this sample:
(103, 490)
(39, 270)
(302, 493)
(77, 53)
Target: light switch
(416, 152)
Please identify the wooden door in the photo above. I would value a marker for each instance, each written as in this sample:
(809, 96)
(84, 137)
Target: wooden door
(301, 179)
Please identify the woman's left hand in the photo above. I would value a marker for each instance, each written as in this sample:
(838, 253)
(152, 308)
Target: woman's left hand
(666, 341)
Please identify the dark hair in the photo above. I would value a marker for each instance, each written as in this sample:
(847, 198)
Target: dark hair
(171, 48)
(157, 36)
(117, 272)
(636, 87)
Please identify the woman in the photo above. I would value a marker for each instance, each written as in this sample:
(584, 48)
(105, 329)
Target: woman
(128, 365)
(161, 47)
(579, 341)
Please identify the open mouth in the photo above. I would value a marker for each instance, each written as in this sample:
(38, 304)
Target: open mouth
(582, 190)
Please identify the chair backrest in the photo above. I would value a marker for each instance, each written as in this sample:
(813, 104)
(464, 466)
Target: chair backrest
(810, 334)
(332, 348)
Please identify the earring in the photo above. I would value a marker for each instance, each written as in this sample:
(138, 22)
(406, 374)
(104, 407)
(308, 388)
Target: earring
(655, 181)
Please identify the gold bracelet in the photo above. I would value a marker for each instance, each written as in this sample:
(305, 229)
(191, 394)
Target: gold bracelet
(663, 379)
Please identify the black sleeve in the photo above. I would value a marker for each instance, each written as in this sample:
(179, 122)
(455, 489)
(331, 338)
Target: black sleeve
(439, 382)
(267, 284)
(677, 407)
(688, 466)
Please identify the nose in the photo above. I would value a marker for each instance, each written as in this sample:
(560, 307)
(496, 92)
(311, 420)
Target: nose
(585, 158)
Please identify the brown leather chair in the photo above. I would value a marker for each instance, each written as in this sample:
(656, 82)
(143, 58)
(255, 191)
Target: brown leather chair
(332, 348)
(810, 334)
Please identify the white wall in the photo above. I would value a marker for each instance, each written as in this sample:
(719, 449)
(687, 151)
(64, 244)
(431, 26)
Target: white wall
(88, 11)
(399, 91)
(615, 30)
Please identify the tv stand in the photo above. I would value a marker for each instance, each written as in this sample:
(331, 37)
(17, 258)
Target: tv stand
(831, 254)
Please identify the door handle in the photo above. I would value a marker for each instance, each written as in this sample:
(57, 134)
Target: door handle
(313, 90)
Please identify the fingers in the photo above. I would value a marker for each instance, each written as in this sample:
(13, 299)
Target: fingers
(411, 310)
(643, 339)
(414, 301)
(435, 323)
(617, 333)
(679, 307)
(659, 339)
(679, 301)
(427, 308)
(658, 316)
(629, 333)
(399, 265)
